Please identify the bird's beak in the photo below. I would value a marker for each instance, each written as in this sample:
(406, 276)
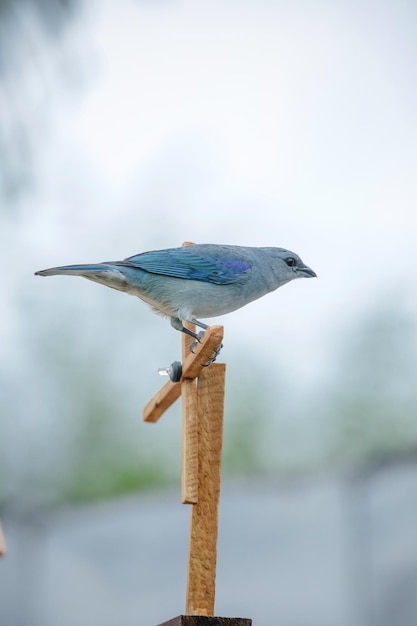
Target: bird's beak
(307, 272)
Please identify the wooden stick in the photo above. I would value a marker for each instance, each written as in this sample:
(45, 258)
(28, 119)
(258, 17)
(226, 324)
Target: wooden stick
(189, 458)
(189, 447)
(161, 401)
(191, 368)
(204, 515)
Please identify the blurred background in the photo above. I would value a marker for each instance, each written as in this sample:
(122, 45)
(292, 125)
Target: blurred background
(135, 125)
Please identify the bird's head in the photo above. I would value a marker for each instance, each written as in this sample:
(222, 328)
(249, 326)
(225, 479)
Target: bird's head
(288, 266)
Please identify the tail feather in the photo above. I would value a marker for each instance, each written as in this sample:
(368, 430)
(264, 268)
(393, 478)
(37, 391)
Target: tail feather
(103, 273)
(75, 270)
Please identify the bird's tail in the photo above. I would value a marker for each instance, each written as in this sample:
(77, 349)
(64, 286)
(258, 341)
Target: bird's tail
(104, 273)
(75, 270)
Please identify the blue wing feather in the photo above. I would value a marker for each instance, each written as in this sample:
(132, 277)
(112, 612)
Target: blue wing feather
(185, 263)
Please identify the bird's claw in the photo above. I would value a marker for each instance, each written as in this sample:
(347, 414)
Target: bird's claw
(214, 357)
(195, 343)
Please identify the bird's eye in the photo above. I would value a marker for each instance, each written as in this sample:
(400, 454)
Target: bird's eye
(290, 261)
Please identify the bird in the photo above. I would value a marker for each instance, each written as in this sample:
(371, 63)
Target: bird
(197, 280)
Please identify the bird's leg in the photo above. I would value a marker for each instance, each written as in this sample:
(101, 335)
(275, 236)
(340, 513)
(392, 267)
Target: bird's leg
(178, 325)
(193, 345)
(195, 336)
(200, 335)
(198, 323)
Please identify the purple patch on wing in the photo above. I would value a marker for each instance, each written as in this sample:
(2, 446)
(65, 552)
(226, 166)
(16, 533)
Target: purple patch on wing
(238, 266)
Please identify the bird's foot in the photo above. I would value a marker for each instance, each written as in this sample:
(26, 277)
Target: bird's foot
(214, 357)
(198, 339)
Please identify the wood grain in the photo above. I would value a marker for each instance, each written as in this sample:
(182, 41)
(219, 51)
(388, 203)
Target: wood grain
(161, 401)
(189, 449)
(201, 578)
(189, 457)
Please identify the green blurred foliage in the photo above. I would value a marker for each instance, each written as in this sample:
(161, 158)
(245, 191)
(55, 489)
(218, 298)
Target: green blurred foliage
(372, 413)
(246, 411)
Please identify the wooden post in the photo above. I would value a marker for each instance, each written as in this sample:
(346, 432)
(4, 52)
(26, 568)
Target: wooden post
(202, 390)
(189, 454)
(201, 578)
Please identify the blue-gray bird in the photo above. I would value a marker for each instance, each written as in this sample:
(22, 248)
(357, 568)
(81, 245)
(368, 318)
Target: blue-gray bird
(195, 281)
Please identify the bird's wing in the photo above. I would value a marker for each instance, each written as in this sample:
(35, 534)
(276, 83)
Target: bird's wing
(184, 263)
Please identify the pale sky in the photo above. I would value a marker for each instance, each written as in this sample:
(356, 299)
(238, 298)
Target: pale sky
(255, 123)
